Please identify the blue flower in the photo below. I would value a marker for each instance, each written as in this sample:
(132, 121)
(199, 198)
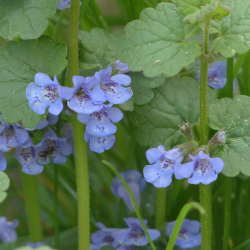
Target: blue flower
(27, 154)
(165, 164)
(216, 75)
(11, 136)
(103, 237)
(188, 236)
(204, 168)
(136, 183)
(82, 97)
(7, 230)
(43, 94)
(122, 67)
(99, 144)
(57, 147)
(134, 235)
(63, 4)
(98, 123)
(3, 162)
(112, 86)
(35, 245)
(126, 247)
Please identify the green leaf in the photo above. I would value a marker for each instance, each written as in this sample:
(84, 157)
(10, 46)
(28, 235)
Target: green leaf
(176, 101)
(214, 9)
(4, 185)
(157, 42)
(25, 18)
(188, 7)
(233, 117)
(235, 32)
(19, 62)
(98, 48)
(142, 90)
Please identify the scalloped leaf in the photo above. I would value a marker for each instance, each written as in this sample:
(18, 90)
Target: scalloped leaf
(98, 48)
(27, 19)
(176, 101)
(157, 42)
(235, 33)
(19, 62)
(4, 185)
(233, 117)
(142, 88)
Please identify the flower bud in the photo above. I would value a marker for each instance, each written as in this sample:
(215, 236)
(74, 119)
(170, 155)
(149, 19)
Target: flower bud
(186, 129)
(218, 139)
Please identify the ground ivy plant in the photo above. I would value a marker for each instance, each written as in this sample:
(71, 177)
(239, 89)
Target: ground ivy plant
(165, 99)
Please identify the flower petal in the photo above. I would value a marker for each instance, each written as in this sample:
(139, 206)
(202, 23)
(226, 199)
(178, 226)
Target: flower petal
(42, 79)
(114, 114)
(121, 79)
(56, 107)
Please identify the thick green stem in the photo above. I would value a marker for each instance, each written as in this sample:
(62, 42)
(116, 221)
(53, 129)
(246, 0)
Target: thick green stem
(160, 213)
(227, 212)
(205, 193)
(32, 207)
(80, 151)
(56, 224)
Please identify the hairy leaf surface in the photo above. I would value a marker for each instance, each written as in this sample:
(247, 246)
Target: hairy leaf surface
(25, 18)
(233, 117)
(176, 101)
(157, 42)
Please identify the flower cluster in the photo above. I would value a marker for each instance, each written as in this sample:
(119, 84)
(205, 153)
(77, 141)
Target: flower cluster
(122, 239)
(201, 168)
(189, 235)
(136, 183)
(91, 97)
(216, 75)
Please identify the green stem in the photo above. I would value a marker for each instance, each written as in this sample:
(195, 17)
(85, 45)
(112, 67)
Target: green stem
(114, 170)
(230, 78)
(205, 193)
(248, 76)
(32, 206)
(227, 212)
(182, 215)
(80, 151)
(56, 224)
(160, 213)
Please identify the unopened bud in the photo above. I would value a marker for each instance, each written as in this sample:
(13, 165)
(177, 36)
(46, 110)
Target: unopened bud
(186, 129)
(218, 139)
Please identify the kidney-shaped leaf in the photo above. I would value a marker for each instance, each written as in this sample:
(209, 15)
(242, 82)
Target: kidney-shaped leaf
(233, 116)
(25, 18)
(157, 42)
(176, 101)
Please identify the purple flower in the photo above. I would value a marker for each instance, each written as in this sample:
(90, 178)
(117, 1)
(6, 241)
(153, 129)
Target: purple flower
(165, 164)
(57, 147)
(126, 247)
(35, 245)
(189, 235)
(204, 168)
(122, 67)
(103, 237)
(99, 144)
(134, 235)
(3, 162)
(136, 183)
(7, 230)
(82, 97)
(11, 136)
(27, 154)
(43, 94)
(63, 4)
(216, 75)
(112, 86)
(98, 123)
